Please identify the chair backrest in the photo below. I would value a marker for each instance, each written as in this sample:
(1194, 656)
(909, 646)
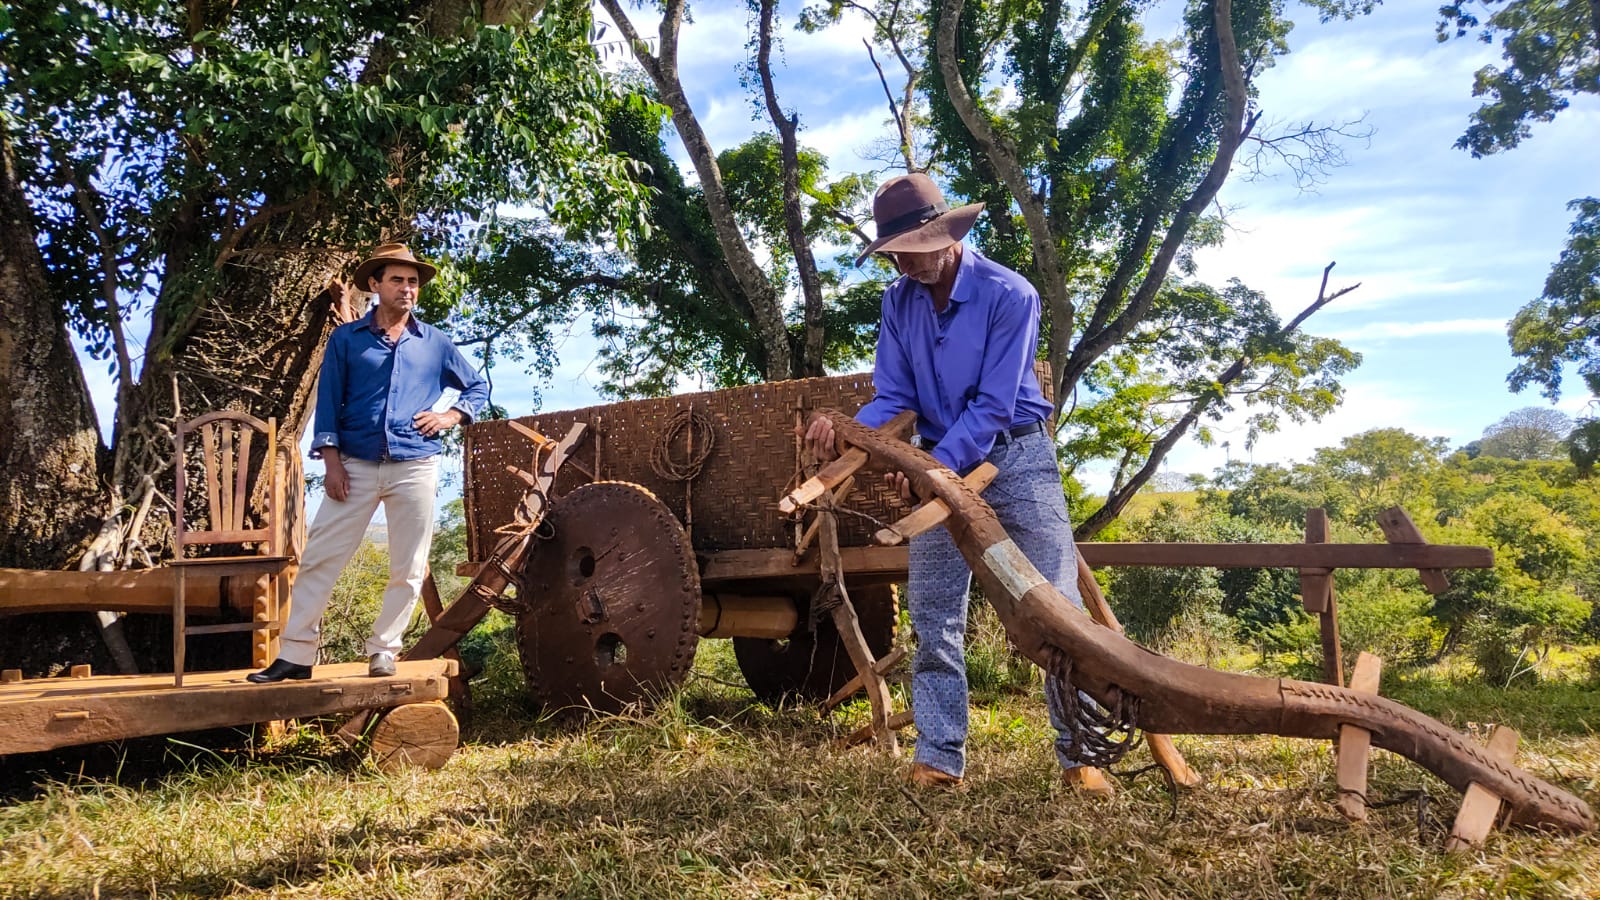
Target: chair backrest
(226, 438)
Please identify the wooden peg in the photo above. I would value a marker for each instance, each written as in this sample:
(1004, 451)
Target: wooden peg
(1355, 744)
(830, 475)
(10, 676)
(1399, 529)
(527, 478)
(539, 440)
(1480, 807)
(931, 514)
(82, 671)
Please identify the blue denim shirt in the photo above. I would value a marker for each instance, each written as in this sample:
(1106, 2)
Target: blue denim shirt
(966, 372)
(370, 389)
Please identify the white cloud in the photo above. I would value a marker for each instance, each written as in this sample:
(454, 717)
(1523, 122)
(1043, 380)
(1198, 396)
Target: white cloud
(1379, 331)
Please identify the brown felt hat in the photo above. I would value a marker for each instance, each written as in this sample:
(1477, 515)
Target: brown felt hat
(383, 255)
(912, 217)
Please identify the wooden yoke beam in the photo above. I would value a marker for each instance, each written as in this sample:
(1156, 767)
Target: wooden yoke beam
(1174, 697)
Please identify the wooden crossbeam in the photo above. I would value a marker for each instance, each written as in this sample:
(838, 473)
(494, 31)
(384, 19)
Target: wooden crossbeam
(865, 733)
(882, 667)
(1355, 745)
(932, 514)
(1480, 807)
(830, 475)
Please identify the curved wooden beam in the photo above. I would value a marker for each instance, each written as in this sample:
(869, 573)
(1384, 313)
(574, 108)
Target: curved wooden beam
(1172, 697)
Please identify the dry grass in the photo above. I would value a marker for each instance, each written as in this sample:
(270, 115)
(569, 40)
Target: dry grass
(710, 796)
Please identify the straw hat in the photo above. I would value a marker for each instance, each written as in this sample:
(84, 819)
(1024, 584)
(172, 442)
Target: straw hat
(383, 255)
(912, 217)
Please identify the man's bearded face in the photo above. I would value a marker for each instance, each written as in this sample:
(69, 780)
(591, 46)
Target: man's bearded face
(926, 268)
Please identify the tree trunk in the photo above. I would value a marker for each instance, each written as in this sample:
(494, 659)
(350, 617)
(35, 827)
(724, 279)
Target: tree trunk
(49, 443)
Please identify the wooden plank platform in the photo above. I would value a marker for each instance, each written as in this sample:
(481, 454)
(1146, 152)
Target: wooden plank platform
(46, 713)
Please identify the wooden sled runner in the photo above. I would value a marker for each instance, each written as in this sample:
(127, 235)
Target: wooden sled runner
(1157, 694)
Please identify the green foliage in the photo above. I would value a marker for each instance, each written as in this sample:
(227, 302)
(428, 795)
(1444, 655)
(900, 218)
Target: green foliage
(1563, 325)
(1551, 53)
(159, 140)
(357, 597)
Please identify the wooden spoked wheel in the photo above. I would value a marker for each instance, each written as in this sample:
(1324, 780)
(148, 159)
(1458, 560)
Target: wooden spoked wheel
(618, 601)
(812, 665)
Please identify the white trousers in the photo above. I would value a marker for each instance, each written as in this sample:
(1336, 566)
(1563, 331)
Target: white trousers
(406, 489)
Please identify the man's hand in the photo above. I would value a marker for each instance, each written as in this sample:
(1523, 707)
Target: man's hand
(900, 484)
(336, 484)
(430, 423)
(819, 439)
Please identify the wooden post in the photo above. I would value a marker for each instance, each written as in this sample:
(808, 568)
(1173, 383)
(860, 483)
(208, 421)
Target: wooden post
(1316, 592)
(1399, 529)
(1161, 746)
(849, 627)
(10, 676)
(1480, 808)
(82, 671)
(1355, 743)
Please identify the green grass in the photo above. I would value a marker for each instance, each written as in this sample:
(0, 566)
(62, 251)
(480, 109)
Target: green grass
(712, 796)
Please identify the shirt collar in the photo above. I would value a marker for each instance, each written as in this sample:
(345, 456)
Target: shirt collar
(960, 291)
(370, 322)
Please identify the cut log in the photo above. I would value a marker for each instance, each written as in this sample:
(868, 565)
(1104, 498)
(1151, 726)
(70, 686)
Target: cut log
(421, 735)
(1355, 744)
(1480, 808)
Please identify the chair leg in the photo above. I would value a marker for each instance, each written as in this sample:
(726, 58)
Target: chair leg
(178, 624)
(264, 612)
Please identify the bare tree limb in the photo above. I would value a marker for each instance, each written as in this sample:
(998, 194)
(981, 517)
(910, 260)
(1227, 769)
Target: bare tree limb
(1117, 499)
(1049, 267)
(663, 71)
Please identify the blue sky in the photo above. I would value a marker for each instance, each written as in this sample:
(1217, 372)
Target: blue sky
(1446, 247)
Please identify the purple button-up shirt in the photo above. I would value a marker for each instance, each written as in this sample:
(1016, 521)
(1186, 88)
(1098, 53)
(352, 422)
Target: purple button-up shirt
(371, 388)
(967, 372)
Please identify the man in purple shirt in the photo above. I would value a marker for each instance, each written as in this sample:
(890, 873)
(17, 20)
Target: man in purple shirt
(956, 344)
(378, 434)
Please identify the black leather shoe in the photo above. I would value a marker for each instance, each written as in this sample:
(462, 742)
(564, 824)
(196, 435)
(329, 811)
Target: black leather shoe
(278, 671)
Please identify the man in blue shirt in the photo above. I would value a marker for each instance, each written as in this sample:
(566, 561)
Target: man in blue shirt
(956, 344)
(378, 435)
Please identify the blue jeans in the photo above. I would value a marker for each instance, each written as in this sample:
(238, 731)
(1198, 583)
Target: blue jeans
(1026, 496)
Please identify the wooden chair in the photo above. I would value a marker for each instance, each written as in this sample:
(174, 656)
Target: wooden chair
(225, 439)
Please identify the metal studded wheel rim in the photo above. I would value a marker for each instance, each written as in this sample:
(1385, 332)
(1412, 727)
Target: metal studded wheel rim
(614, 601)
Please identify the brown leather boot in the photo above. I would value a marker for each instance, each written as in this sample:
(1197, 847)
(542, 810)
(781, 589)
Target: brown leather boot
(1090, 781)
(926, 776)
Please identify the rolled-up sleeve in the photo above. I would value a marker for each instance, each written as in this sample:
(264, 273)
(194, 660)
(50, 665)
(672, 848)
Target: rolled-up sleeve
(330, 396)
(460, 374)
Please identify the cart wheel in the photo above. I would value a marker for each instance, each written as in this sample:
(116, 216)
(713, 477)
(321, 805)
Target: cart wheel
(617, 601)
(811, 666)
(417, 734)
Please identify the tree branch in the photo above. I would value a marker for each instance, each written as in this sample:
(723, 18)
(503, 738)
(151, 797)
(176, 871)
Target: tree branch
(1049, 268)
(1097, 340)
(793, 214)
(663, 71)
(1118, 498)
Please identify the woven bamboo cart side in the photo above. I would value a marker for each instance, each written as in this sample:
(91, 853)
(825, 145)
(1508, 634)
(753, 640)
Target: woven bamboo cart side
(753, 458)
